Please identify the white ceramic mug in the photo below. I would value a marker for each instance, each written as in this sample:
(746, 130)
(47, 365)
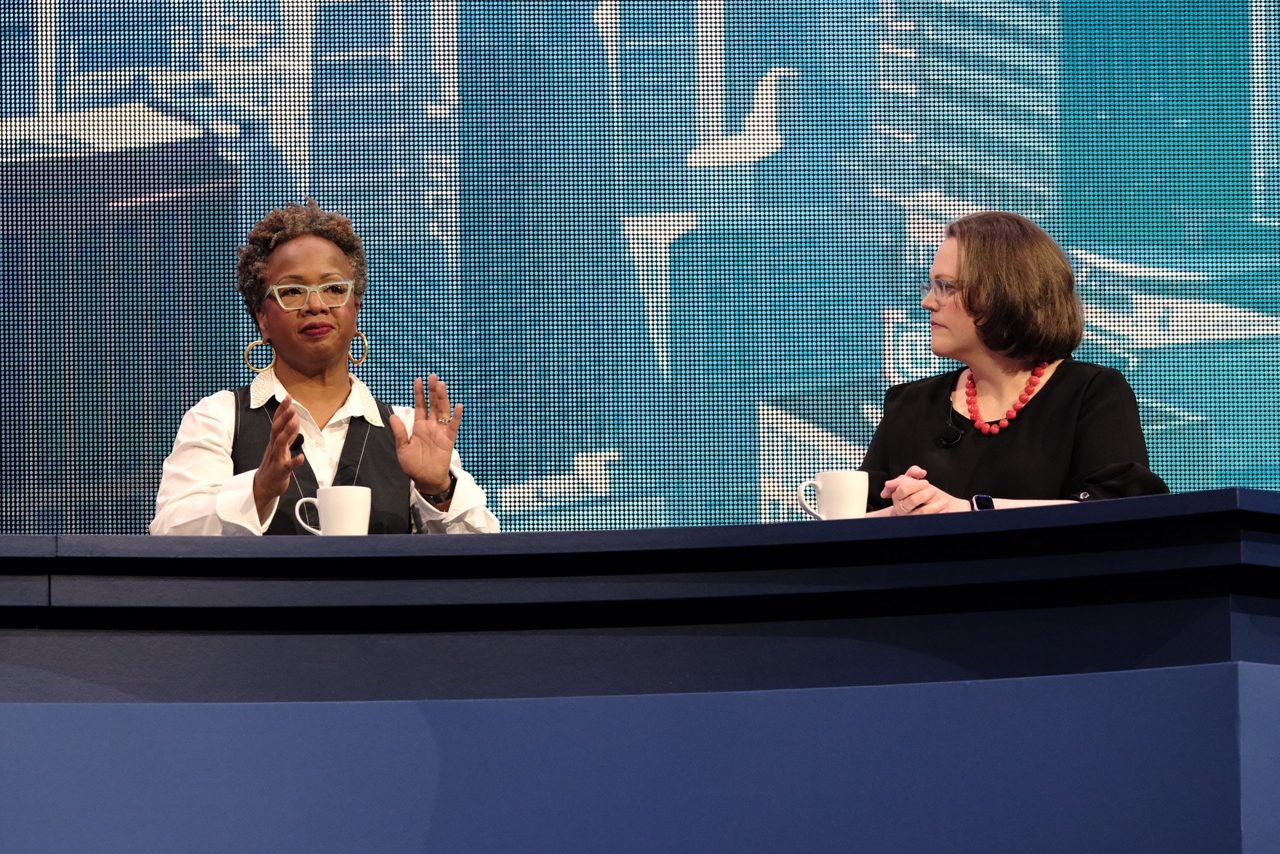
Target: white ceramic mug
(840, 494)
(344, 510)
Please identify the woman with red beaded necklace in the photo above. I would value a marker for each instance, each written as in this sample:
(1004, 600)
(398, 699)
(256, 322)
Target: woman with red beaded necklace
(1021, 423)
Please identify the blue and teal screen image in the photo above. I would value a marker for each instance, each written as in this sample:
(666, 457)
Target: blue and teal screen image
(666, 253)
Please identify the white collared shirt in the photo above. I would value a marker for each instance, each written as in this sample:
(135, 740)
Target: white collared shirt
(200, 493)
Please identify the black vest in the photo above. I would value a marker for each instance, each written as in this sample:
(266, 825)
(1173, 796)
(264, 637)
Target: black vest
(368, 459)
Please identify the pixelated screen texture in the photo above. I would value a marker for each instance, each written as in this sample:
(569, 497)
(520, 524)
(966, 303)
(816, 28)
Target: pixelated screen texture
(666, 253)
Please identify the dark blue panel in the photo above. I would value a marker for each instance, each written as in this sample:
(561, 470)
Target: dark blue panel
(1124, 762)
(217, 778)
(1142, 761)
(1259, 756)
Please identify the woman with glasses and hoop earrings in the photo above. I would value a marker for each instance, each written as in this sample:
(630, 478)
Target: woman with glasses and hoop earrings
(1020, 422)
(244, 457)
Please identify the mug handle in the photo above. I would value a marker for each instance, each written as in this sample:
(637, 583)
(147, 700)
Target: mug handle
(297, 513)
(803, 500)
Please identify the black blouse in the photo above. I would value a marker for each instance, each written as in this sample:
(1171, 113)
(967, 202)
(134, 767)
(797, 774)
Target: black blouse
(1079, 437)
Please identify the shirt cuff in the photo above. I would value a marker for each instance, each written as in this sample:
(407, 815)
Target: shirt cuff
(466, 495)
(236, 508)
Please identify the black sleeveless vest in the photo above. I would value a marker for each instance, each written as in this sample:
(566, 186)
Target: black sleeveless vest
(368, 459)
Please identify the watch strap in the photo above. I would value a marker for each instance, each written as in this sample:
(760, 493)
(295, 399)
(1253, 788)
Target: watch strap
(447, 495)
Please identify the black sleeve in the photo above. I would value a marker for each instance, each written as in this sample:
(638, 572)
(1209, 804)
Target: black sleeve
(875, 463)
(1109, 456)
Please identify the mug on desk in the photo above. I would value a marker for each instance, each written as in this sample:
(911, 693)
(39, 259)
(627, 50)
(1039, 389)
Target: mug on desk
(838, 493)
(344, 510)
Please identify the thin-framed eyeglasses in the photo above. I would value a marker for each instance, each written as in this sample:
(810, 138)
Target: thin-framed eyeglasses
(292, 297)
(943, 289)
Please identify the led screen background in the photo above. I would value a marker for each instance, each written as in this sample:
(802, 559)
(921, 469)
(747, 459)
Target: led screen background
(665, 252)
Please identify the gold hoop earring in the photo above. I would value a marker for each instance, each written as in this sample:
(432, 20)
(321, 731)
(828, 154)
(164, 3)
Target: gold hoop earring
(253, 345)
(364, 339)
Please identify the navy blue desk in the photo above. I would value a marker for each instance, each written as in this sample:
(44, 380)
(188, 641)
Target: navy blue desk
(1100, 677)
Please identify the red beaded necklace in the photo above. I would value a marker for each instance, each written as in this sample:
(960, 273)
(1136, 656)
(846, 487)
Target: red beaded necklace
(971, 397)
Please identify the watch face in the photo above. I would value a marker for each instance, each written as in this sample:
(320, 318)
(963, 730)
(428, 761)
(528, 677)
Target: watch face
(983, 502)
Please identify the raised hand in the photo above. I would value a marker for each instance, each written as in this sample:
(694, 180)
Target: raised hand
(425, 453)
(278, 460)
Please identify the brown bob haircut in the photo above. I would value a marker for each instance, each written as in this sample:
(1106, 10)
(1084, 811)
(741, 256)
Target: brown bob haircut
(280, 226)
(1018, 286)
